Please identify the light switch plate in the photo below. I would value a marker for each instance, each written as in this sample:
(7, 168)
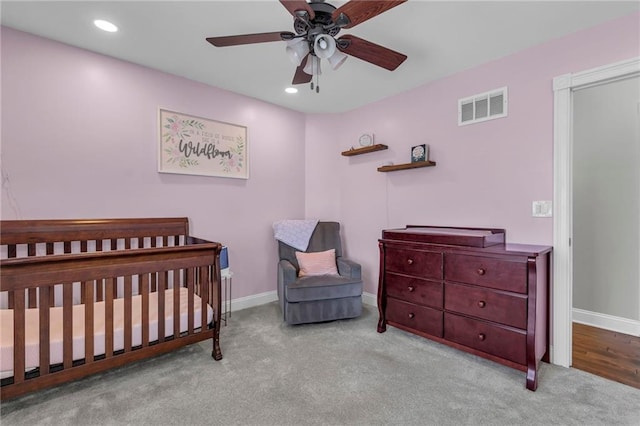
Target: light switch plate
(541, 209)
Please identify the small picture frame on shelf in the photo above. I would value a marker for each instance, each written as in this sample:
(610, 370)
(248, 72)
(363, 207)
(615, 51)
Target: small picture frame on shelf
(419, 153)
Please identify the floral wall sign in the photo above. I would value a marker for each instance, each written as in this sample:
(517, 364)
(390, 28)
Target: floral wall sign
(199, 146)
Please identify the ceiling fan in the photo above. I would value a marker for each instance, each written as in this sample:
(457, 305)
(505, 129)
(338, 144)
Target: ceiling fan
(316, 24)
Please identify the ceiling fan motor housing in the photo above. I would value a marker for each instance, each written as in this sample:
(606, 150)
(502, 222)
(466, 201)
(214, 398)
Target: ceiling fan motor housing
(322, 19)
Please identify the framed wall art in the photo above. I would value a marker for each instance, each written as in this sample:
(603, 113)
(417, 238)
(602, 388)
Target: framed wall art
(199, 146)
(419, 153)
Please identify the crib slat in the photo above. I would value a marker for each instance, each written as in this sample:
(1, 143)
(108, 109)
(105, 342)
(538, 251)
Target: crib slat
(176, 310)
(144, 291)
(204, 296)
(154, 281)
(127, 313)
(49, 248)
(31, 251)
(161, 314)
(88, 322)
(67, 246)
(18, 336)
(190, 315)
(98, 245)
(99, 290)
(83, 246)
(45, 336)
(11, 252)
(67, 325)
(108, 317)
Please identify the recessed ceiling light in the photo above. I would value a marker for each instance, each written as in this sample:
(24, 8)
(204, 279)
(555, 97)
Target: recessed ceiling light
(105, 25)
(291, 90)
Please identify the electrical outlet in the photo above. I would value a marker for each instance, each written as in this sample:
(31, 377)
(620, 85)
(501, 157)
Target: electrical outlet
(541, 209)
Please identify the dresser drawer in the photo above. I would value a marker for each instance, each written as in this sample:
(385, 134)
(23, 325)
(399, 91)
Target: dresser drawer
(490, 338)
(417, 317)
(486, 271)
(423, 264)
(415, 290)
(480, 302)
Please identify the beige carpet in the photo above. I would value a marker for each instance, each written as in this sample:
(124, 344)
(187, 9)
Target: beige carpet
(338, 373)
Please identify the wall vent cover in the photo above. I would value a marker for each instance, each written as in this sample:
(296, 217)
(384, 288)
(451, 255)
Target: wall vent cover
(482, 107)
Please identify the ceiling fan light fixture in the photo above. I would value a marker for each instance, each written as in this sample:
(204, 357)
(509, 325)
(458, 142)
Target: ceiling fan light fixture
(324, 46)
(291, 90)
(313, 66)
(297, 49)
(337, 59)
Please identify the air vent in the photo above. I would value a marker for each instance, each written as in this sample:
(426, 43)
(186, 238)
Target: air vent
(483, 107)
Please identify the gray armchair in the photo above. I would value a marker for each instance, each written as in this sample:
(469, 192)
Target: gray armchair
(321, 298)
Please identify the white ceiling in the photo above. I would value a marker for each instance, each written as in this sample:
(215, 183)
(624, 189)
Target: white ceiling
(440, 38)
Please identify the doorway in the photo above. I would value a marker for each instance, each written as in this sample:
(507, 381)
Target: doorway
(562, 294)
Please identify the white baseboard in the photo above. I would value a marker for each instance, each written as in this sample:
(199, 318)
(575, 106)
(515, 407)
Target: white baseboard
(370, 299)
(251, 301)
(608, 322)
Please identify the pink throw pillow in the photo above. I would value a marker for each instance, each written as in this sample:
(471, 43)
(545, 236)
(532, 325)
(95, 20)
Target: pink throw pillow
(318, 263)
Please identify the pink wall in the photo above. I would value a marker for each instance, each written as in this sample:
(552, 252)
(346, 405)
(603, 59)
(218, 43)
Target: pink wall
(487, 174)
(79, 138)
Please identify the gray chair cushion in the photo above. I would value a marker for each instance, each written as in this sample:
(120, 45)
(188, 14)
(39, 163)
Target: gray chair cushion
(323, 287)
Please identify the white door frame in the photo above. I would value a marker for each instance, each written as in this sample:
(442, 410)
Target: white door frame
(562, 293)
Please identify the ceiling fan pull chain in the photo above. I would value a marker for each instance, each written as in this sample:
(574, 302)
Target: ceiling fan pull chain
(317, 75)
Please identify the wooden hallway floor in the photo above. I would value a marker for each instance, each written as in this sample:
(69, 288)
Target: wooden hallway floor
(608, 354)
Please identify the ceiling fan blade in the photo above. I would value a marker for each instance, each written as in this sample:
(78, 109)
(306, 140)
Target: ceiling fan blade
(359, 11)
(293, 5)
(300, 76)
(371, 52)
(247, 38)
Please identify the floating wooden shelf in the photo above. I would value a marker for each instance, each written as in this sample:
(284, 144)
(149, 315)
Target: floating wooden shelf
(364, 150)
(414, 165)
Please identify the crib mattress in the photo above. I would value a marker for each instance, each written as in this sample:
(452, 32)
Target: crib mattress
(32, 328)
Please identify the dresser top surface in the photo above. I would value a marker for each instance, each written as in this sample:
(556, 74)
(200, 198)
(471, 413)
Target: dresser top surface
(445, 231)
(469, 237)
(487, 240)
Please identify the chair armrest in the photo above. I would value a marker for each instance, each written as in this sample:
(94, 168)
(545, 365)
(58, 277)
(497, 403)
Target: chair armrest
(349, 268)
(287, 273)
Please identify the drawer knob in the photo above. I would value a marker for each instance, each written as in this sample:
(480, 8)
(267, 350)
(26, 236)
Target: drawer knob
(411, 315)
(481, 336)
(411, 288)
(481, 271)
(482, 304)
(410, 261)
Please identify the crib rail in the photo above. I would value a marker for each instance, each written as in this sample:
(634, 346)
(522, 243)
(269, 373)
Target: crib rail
(67, 230)
(27, 238)
(114, 277)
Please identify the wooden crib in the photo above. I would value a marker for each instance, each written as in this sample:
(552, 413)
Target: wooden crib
(96, 286)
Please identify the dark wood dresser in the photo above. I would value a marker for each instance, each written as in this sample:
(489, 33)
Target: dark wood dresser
(466, 288)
